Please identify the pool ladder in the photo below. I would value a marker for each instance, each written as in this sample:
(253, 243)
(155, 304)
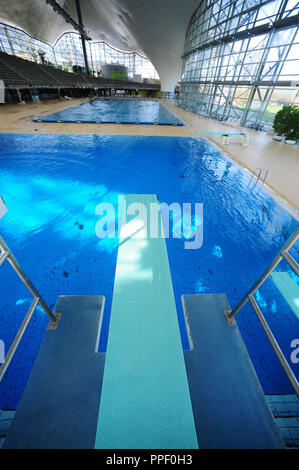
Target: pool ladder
(259, 172)
(6, 254)
(230, 314)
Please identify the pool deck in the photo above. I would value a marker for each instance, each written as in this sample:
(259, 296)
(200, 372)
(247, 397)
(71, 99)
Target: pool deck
(282, 160)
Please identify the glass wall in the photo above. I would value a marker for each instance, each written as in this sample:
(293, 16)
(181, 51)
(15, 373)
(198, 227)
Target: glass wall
(17, 42)
(241, 60)
(67, 52)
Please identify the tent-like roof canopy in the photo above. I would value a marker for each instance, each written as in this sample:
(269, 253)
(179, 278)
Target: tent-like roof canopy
(155, 28)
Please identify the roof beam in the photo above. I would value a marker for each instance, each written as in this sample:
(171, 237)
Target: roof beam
(58, 9)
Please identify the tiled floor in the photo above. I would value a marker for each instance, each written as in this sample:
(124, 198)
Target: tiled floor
(6, 417)
(285, 409)
(282, 160)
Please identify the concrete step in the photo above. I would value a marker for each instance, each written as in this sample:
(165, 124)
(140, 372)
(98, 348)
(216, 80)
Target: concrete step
(59, 407)
(229, 406)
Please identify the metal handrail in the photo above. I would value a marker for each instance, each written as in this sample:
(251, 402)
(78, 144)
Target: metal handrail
(230, 314)
(6, 254)
(266, 174)
(253, 175)
(259, 174)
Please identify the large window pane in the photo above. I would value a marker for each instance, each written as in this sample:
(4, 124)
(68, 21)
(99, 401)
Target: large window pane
(265, 62)
(68, 52)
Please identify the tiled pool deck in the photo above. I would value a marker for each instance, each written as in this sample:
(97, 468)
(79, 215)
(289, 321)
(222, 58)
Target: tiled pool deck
(285, 409)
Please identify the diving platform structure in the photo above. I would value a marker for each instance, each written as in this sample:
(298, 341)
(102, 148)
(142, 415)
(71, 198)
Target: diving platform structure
(145, 392)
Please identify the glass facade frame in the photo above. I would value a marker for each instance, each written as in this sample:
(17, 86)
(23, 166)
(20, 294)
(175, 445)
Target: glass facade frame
(67, 51)
(15, 41)
(241, 60)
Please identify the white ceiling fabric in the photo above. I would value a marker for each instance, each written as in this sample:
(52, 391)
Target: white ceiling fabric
(155, 28)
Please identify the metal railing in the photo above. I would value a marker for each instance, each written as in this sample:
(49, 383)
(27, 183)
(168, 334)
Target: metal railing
(6, 255)
(259, 174)
(230, 314)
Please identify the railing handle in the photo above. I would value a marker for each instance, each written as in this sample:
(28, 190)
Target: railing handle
(9, 356)
(230, 314)
(275, 345)
(6, 252)
(281, 254)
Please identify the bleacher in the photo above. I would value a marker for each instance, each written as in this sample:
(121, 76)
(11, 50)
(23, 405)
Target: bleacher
(63, 78)
(11, 78)
(21, 73)
(32, 74)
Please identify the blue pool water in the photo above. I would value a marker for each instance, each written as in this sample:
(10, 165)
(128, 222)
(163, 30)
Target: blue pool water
(115, 111)
(52, 185)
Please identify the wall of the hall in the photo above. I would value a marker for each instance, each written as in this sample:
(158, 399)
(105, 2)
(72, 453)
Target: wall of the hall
(67, 51)
(241, 60)
(155, 29)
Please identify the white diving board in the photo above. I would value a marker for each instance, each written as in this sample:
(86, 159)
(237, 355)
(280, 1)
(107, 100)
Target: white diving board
(288, 289)
(221, 133)
(145, 401)
(226, 136)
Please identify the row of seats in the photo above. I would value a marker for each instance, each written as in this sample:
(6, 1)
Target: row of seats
(11, 79)
(23, 72)
(18, 73)
(66, 79)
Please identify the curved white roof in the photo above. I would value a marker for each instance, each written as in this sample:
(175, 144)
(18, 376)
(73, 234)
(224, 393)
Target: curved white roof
(155, 28)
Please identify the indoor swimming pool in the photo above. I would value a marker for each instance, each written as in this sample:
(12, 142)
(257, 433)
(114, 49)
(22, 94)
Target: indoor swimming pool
(115, 111)
(52, 184)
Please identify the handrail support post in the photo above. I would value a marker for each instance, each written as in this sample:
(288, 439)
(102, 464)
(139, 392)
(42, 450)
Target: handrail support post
(230, 314)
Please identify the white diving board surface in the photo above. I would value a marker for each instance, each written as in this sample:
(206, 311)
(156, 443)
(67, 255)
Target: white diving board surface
(288, 289)
(145, 401)
(222, 133)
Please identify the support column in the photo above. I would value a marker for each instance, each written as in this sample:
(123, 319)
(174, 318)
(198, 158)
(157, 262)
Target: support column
(82, 37)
